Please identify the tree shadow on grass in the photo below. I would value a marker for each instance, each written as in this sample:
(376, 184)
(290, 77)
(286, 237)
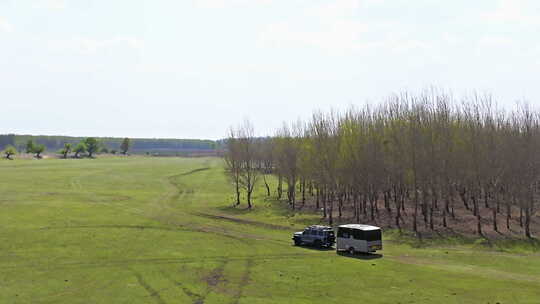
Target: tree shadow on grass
(360, 256)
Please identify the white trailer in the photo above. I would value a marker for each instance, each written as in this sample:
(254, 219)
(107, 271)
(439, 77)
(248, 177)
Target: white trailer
(359, 238)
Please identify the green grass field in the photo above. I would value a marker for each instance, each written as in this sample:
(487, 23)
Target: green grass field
(161, 230)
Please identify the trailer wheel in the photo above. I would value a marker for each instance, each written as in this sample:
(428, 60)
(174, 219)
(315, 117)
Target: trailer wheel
(351, 251)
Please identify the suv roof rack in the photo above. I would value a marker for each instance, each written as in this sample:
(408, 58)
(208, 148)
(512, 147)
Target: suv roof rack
(320, 227)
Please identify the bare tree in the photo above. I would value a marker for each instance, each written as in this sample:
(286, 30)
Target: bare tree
(233, 161)
(247, 150)
(423, 160)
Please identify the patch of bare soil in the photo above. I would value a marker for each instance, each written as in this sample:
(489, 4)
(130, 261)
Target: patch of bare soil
(215, 277)
(463, 223)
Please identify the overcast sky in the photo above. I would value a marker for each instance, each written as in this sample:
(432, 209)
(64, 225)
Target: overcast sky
(192, 68)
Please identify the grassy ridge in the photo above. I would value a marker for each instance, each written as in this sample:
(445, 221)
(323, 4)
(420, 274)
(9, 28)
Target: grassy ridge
(147, 230)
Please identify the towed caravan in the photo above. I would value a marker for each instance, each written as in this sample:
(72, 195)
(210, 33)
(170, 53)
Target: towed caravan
(358, 238)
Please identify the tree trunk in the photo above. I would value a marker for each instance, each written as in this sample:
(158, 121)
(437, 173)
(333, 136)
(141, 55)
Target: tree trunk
(237, 182)
(478, 217)
(444, 218)
(340, 205)
(495, 219)
(364, 204)
(415, 214)
(324, 198)
(508, 216)
(463, 196)
(424, 208)
(249, 199)
(317, 200)
(280, 186)
(303, 192)
(331, 211)
(357, 207)
(266, 185)
(528, 222)
(371, 208)
(486, 196)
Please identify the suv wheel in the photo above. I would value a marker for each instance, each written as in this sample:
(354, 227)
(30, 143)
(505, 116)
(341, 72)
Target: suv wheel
(351, 250)
(297, 242)
(317, 243)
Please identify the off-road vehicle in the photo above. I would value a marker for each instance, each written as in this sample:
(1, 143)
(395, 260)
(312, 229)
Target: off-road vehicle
(316, 235)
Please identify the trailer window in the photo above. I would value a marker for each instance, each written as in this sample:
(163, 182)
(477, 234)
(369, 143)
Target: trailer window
(358, 234)
(372, 235)
(343, 233)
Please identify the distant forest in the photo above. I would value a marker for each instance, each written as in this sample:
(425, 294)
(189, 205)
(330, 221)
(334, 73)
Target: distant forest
(138, 145)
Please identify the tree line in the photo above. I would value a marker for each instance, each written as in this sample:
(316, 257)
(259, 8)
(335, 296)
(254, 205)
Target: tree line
(422, 159)
(87, 147)
(138, 145)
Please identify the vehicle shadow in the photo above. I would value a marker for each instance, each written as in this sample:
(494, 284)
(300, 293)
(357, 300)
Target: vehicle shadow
(360, 256)
(315, 248)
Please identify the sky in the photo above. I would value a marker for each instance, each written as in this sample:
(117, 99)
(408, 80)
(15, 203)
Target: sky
(193, 68)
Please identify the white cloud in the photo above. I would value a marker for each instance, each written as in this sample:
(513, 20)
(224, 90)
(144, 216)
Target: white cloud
(230, 3)
(51, 4)
(5, 25)
(495, 41)
(512, 11)
(336, 28)
(89, 46)
(329, 26)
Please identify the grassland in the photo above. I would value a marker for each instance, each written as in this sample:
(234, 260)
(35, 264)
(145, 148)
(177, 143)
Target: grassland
(156, 230)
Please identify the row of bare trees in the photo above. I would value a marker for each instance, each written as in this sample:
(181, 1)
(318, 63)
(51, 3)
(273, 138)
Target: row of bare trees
(419, 158)
(243, 153)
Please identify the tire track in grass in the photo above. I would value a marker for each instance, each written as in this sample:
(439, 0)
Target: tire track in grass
(195, 171)
(76, 184)
(176, 228)
(212, 280)
(242, 221)
(136, 227)
(244, 281)
(151, 291)
(164, 261)
(195, 297)
(173, 193)
(163, 212)
(464, 268)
